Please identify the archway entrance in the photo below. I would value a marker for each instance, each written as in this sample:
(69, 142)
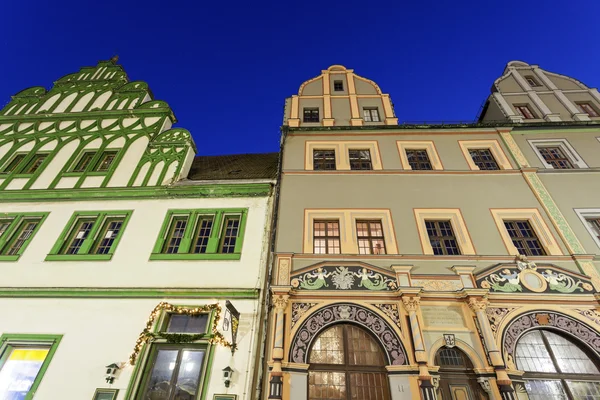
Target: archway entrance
(347, 363)
(457, 379)
(556, 367)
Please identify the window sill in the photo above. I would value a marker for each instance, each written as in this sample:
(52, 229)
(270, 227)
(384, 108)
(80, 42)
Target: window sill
(9, 258)
(192, 256)
(78, 257)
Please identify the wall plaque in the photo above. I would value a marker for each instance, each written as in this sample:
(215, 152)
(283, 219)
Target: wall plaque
(441, 316)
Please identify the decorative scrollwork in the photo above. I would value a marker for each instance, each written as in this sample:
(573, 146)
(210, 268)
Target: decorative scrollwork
(496, 315)
(391, 310)
(299, 309)
(334, 313)
(344, 278)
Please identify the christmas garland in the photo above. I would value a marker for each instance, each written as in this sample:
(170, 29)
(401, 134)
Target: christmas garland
(147, 335)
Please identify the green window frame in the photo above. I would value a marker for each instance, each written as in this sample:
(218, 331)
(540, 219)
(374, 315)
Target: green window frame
(24, 163)
(9, 342)
(202, 234)
(90, 236)
(94, 161)
(148, 353)
(106, 394)
(16, 232)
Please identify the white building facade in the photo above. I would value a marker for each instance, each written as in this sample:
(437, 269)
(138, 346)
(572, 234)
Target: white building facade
(130, 268)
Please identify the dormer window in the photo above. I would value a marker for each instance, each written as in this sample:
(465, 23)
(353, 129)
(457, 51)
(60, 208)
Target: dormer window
(371, 114)
(338, 86)
(524, 111)
(311, 115)
(532, 81)
(588, 109)
(89, 161)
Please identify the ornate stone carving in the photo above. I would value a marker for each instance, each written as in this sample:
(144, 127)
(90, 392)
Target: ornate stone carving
(299, 309)
(477, 304)
(411, 304)
(280, 301)
(329, 315)
(283, 269)
(592, 315)
(565, 323)
(391, 310)
(496, 315)
(438, 285)
(485, 384)
(527, 277)
(344, 278)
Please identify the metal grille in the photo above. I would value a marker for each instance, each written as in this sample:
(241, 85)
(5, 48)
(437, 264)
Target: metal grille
(451, 358)
(360, 159)
(441, 237)
(176, 230)
(203, 234)
(230, 234)
(311, 115)
(108, 234)
(23, 234)
(370, 237)
(323, 160)
(371, 114)
(556, 157)
(524, 238)
(78, 235)
(418, 159)
(326, 237)
(484, 159)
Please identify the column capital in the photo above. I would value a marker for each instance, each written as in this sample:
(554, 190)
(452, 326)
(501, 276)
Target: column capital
(477, 303)
(411, 303)
(280, 301)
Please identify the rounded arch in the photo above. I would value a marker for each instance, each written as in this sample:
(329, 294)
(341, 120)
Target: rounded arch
(331, 314)
(550, 320)
(470, 352)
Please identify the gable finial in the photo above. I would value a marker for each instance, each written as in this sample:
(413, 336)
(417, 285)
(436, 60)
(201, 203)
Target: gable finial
(114, 59)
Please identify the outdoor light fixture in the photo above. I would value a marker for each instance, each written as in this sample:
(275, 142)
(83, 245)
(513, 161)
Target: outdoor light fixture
(111, 372)
(227, 374)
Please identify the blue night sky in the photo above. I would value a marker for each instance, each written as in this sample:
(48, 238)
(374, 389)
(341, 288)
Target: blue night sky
(225, 67)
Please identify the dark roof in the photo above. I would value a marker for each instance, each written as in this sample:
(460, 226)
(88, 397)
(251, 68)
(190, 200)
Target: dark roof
(234, 166)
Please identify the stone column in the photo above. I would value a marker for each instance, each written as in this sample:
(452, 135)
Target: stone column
(411, 304)
(276, 377)
(478, 305)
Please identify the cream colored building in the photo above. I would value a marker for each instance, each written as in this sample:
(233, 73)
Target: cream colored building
(435, 261)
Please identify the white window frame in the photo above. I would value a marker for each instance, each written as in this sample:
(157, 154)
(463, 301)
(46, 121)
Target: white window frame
(583, 214)
(565, 146)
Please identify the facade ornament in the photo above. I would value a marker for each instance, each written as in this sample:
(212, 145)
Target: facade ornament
(280, 301)
(524, 263)
(449, 340)
(485, 384)
(477, 304)
(435, 381)
(411, 304)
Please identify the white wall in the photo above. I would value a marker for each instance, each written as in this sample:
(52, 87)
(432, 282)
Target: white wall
(130, 265)
(99, 332)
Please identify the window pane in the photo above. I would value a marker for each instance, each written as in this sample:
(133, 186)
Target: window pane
(418, 159)
(181, 323)
(20, 370)
(78, 235)
(451, 358)
(532, 355)
(108, 234)
(230, 234)
(160, 381)
(176, 231)
(4, 224)
(584, 390)
(328, 347)
(362, 348)
(369, 385)
(203, 230)
(324, 160)
(106, 160)
(83, 162)
(14, 163)
(23, 233)
(35, 163)
(188, 378)
(545, 390)
(570, 358)
(326, 385)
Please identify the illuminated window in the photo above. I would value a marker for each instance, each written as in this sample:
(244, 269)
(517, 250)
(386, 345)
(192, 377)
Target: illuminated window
(326, 237)
(370, 237)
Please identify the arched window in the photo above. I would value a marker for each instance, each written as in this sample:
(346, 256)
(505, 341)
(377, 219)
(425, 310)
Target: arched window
(347, 363)
(457, 379)
(556, 368)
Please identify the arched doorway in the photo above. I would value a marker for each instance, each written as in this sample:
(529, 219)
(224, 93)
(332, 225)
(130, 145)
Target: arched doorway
(457, 379)
(556, 367)
(346, 363)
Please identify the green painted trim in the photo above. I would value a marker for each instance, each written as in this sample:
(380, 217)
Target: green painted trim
(193, 256)
(114, 392)
(52, 340)
(88, 245)
(186, 244)
(187, 191)
(209, 367)
(9, 236)
(128, 293)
